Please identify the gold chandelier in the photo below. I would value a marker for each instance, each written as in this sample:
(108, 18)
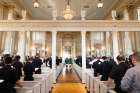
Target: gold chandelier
(68, 13)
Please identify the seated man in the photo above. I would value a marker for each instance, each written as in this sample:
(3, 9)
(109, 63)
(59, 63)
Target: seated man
(18, 65)
(118, 72)
(28, 70)
(37, 62)
(131, 80)
(9, 77)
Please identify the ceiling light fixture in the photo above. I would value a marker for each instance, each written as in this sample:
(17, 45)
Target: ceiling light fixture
(36, 4)
(100, 4)
(68, 13)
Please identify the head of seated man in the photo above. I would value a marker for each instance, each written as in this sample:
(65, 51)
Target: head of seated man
(8, 60)
(136, 58)
(120, 58)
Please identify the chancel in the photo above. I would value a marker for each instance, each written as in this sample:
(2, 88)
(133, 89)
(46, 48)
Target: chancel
(69, 46)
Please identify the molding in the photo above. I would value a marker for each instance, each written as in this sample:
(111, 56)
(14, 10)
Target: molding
(69, 25)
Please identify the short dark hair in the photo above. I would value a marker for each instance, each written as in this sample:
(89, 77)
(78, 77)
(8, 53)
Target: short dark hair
(8, 60)
(136, 56)
(17, 57)
(120, 58)
(104, 57)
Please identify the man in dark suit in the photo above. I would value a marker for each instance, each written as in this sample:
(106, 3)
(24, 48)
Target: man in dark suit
(18, 66)
(118, 72)
(8, 77)
(97, 67)
(37, 62)
(105, 69)
(28, 70)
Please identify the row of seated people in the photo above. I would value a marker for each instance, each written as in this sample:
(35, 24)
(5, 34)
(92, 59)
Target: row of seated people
(11, 71)
(115, 71)
(48, 61)
(78, 60)
(111, 70)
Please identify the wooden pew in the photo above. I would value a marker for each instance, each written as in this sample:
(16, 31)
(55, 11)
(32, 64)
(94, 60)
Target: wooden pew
(105, 89)
(33, 86)
(24, 90)
(78, 70)
(112, 91)
(41, 80)
(96, 85)
(91, 90)
(58, 70)
(48, 80)
(88, 75)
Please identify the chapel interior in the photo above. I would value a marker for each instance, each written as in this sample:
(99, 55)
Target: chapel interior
(77, 30)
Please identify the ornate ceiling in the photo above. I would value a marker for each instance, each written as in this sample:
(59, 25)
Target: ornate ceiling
(44, 12)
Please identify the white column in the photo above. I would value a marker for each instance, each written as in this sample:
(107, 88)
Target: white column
(8, 43)
(54, 14)
(43, 44)
(28, 41)
(83, 39)
(54, 34)
(138, 13)
(74, 49)
(138, 33)
(128, 44)
(108, 44)
(126, 15)
(127, 38)
(10, 14)
(115, 44)
(83, 14)
(21, 45)
(115, 38)
(138, 41)
(1, 12)
(113, 13)
(92, 48)
(24, 14)
(61, 48)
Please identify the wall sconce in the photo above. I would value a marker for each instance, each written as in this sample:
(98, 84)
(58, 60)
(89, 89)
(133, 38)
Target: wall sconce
(102, 48)
(92, 49)
(46, 49)
(33, 47)
(100, 4)
(43, 48)
(36, 4)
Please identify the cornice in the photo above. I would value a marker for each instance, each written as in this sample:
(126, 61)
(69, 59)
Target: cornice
(69, 25)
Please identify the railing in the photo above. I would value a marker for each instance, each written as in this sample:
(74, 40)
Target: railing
(58, 70)
(78, 70)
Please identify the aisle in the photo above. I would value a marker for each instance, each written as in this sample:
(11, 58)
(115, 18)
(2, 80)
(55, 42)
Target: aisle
(68, 76)
(69, 88)
(68, 82)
